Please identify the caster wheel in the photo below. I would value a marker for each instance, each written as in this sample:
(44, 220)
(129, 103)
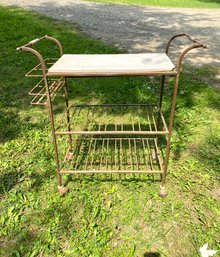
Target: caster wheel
(62, 190)
(163, 192)
(70, 156)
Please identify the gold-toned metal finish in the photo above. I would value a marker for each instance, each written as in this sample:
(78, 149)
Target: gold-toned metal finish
(39, 93)
(37, 70)
(113, 119)
(110, 138)
(113, 154)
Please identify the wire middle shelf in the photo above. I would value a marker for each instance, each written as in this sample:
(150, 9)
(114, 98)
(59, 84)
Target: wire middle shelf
(113, 119)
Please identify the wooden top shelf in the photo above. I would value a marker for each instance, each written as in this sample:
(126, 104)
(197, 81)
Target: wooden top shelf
(87, 65)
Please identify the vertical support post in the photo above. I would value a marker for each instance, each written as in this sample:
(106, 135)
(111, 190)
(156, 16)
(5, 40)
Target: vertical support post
(159, 109)
(68, 118)
(51, 118)
(167, 154)
(160, 102)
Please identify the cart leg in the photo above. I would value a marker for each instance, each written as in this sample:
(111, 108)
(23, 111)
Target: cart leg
(160, 106)
(162, 188)
(163, 192)
(70, 153)
(62, 190)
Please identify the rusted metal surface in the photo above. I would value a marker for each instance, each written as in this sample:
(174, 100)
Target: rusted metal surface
(97, 147)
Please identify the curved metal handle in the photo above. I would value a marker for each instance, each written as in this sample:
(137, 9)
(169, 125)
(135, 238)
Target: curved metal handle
(185, 51)
(57, 42)
(196, 44)
(193, 40)
(33, 42)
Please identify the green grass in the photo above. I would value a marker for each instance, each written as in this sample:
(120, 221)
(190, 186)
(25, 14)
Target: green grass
(102, 216)
(168, 3)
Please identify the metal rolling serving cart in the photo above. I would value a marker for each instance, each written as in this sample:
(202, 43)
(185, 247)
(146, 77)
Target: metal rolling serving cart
(99, 143)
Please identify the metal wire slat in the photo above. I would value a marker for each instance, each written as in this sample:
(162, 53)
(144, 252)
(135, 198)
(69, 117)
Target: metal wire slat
(38, 68)
(85, 124)
(139, 125)
(31, 92)
(102, 152)
(121, 154)
(164, 122)
(99, 150)
(130, 153)
(153, 118)
(105, 119)
(136, 154)
(158, 155)
(57, 86)
(144, 152)
(40, 96)
(150, 155)
(93, 152)
(80, 155)
(107, 154)
(75, 154)
(90, 119)
(115, 154)
(100, 119)
(88, 153)
(62, 120)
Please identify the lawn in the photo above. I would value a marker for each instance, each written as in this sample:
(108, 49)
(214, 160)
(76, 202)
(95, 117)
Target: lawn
(102, 215)
(168, 3)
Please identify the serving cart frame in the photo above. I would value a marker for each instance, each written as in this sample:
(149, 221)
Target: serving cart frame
(101, 144)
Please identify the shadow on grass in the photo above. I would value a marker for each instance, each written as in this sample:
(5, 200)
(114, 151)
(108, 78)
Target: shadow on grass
(151, 254)
(208, 153)
(209, 1)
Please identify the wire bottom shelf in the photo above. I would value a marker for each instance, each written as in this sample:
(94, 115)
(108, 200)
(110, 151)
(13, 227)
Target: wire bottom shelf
(115, 155)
